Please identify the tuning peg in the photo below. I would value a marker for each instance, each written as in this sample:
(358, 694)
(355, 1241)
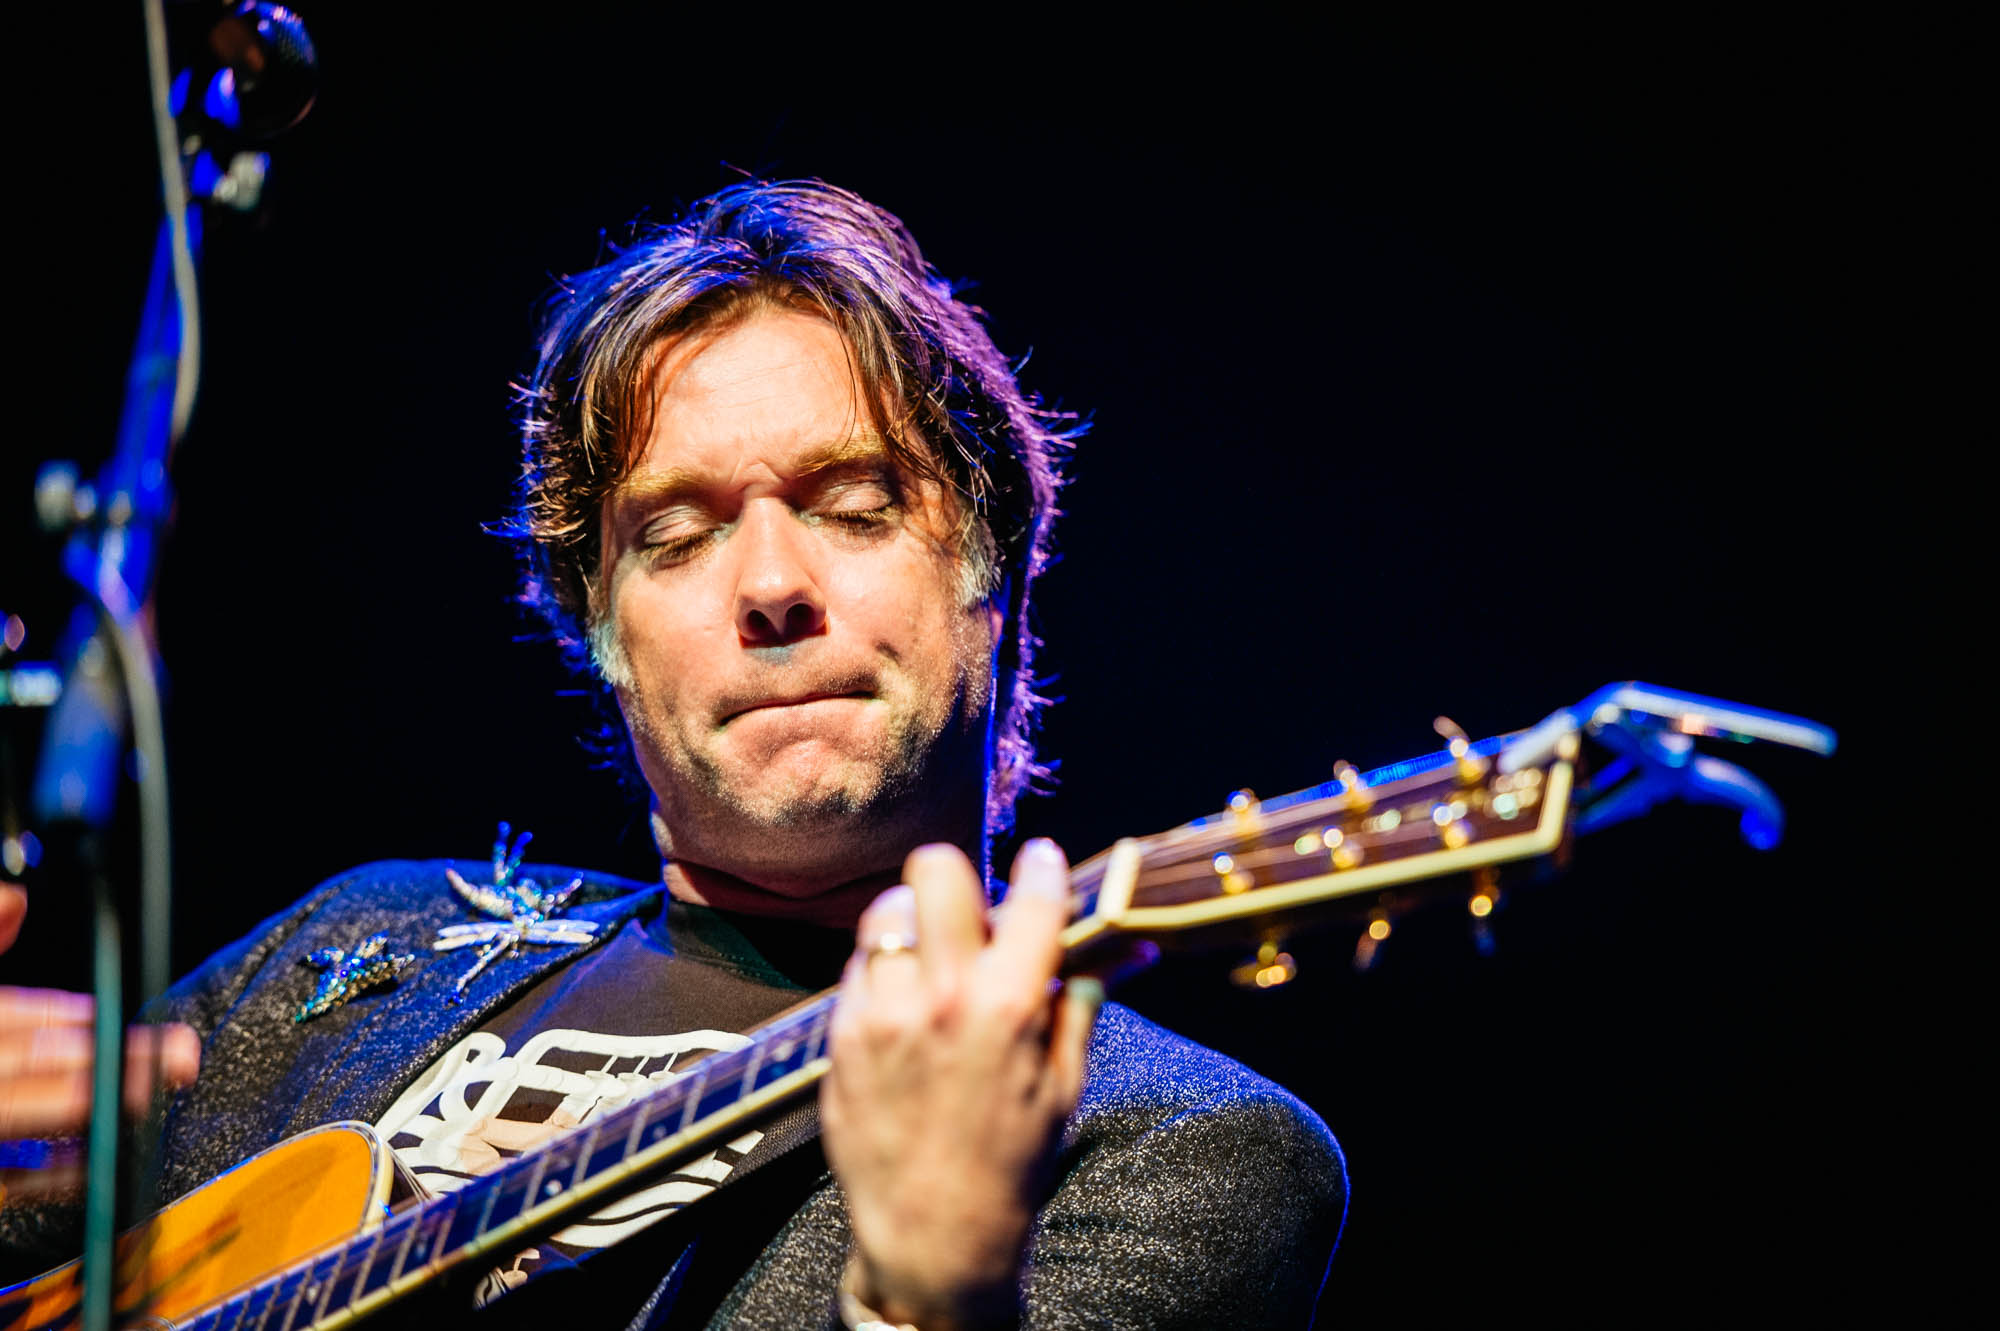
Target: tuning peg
(1471, 767)
(1371, 940)
(1453, 829)
(1484, 901)
(1234, 879)
(1270, 968)
(1351, 784)
(1329, 840)
(1244, 809)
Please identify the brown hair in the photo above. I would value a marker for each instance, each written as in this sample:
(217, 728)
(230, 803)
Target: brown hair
(949, 406)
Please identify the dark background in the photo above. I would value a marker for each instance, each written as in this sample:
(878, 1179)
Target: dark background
(1427, 373)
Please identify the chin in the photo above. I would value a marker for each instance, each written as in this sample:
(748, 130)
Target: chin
(821, 802)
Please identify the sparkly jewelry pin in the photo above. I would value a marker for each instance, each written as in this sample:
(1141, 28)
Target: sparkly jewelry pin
(522, 912)
(344, 974)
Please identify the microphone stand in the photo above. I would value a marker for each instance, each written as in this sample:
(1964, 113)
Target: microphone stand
(116, 526)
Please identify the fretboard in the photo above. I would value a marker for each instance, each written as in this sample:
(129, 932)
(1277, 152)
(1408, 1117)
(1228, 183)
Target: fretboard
(536, 1191)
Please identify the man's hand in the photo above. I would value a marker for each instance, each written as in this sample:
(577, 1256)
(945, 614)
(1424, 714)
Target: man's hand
(955, 1065)
(45, 1054)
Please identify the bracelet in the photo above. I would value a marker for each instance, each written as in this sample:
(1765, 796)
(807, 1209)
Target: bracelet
(858, 1316)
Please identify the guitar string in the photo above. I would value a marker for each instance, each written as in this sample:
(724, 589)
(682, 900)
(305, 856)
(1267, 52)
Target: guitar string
(430, 1220)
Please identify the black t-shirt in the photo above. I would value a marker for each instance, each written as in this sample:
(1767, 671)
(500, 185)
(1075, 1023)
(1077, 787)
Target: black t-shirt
(668, 988)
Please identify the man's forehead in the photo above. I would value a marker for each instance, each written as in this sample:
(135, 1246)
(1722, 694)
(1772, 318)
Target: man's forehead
(864, 447)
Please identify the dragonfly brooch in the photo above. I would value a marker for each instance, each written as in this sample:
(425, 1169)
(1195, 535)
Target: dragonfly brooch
(344, 973)
(521, 911)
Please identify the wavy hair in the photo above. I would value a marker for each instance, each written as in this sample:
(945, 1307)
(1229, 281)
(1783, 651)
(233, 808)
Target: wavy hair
(946, 401)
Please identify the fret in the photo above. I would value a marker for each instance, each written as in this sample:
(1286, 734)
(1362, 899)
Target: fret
(799, 1035)
(208, 1320)
(241, 1303)
(750, 1073)
(447, 1208)
(497, 1185)
(291, 1288)
(359, 1285)
(259, 1303)
(319, 1283)
(530, 1195)
(717, 1098)
(557, 1158)
(509, 1199)
(641, 1113)
(462, 1226)
(609, 1146)
(582, 1170)
(274, 1297)
(693, 1098)
(658, 1129)
(338, 1290)
(410, 1221)
(326, 1285)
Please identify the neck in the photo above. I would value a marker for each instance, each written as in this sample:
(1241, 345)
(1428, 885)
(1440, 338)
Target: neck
(806, 898)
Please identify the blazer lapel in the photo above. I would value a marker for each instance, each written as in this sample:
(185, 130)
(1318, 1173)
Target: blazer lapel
(412, 1025)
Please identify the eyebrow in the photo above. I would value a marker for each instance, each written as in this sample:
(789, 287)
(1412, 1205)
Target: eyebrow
(654, 488)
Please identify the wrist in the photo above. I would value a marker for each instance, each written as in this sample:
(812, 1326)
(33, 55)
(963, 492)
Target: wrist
(867, 1302)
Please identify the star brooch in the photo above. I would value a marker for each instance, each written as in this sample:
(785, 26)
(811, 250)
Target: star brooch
(344, 974)
(521, 912)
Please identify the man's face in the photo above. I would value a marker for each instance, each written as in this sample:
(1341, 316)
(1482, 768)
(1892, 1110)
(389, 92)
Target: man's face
(806, 688)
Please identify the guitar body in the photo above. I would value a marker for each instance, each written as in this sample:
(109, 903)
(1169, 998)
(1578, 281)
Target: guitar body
(299, 1196)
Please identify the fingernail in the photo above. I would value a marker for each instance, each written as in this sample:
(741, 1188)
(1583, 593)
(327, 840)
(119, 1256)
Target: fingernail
(181, 1053)
(1086, 992)
(1042, 868)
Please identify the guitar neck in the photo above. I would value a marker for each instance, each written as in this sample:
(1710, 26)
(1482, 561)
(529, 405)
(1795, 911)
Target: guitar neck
(500, 1211)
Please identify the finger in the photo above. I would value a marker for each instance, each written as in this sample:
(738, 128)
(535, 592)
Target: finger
(884, 973)
(29, 1009)
(951, 908)
(41, 1050)
(1069, 1041)
(13, 909)
(172, 1053)
(1036, 909)
(44, 1105)
(894, 912)
(54, 1182)
(48, 1068)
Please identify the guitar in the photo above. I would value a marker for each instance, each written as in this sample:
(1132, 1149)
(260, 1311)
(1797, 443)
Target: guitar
(300, 1235)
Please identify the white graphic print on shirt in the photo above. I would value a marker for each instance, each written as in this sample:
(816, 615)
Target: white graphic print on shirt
(452, 1123)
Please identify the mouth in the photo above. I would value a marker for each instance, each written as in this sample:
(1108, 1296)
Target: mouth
(793, 700)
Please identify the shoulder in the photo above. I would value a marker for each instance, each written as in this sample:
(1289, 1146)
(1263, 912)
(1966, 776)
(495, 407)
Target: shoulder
(1194, 1192)
(418, 885)
(385, 895)
(403, 888)
(1142, 1072)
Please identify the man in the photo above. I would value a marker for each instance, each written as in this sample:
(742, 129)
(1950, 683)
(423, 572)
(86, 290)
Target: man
(785, 498)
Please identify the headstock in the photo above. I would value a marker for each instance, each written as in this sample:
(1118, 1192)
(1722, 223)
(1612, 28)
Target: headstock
(1368, 846)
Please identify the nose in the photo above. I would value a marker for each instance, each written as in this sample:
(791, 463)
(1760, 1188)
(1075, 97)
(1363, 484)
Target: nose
(777, 599)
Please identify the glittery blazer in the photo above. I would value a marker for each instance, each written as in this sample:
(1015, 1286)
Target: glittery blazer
(1190, 1193)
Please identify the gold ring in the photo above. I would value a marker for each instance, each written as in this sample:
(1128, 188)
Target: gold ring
(888, 944)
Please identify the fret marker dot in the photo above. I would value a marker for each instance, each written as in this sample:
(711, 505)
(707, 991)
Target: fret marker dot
(552, 1187)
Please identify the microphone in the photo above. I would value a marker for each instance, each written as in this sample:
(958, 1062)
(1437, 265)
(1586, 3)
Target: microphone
(254, 74)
